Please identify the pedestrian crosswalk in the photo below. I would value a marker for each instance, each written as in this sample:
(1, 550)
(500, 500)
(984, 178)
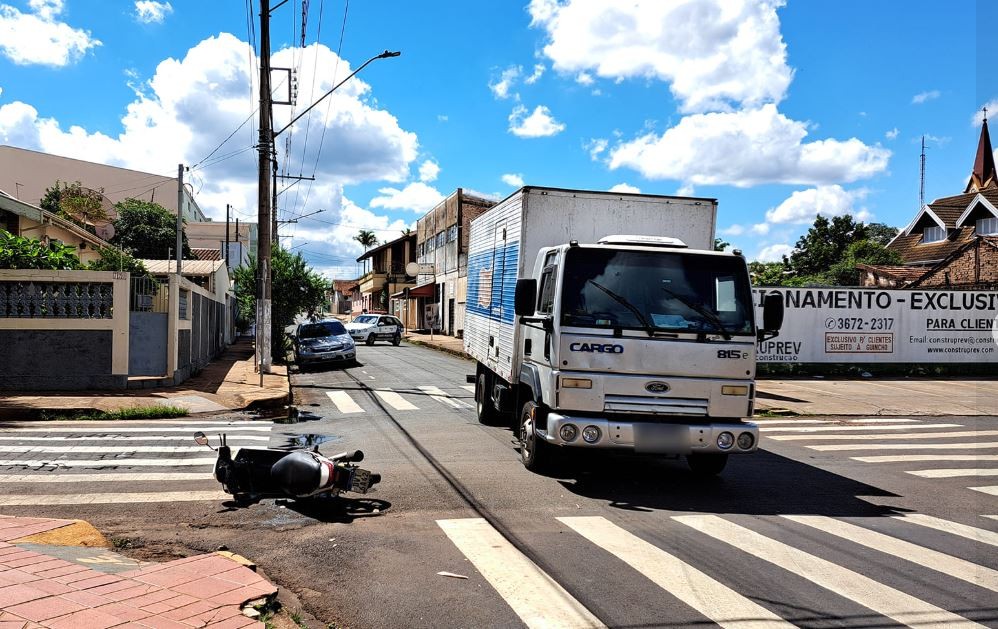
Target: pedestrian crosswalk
(353, 401)
(864, 562)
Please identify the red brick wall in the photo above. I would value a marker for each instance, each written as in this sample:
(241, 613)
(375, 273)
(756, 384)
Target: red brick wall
(977, 264)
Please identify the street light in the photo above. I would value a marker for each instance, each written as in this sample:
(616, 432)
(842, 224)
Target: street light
(385, 55)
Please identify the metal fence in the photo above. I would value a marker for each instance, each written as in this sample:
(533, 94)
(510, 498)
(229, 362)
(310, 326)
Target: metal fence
(148, 295)
(71, 300)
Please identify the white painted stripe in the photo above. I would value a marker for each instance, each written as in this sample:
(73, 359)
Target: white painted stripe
(962, 434)
(915, 458)
(983, 536)
(395, 400)
(443, 397)
(991, 490)
(808, 429)
(535, 597)
(954, 472)
(990, 445)
(108, 477)
(707, 596)
(933, 560)
(468, 387)
(113, 498)
(100, 449)
(106, 463)
(894, 604)
(143, 429)
(111, 438)
(993, 517)
(344, 403)
(856, 420)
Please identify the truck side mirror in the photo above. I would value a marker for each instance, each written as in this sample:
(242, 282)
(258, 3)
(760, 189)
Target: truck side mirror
(772, 312)
(525, 297)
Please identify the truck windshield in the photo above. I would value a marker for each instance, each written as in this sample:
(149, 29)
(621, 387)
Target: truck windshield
(656, 290)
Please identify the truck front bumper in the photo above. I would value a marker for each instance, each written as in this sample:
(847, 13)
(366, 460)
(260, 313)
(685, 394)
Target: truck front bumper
(650, 437)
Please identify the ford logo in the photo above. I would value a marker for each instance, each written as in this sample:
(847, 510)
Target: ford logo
(657, 387)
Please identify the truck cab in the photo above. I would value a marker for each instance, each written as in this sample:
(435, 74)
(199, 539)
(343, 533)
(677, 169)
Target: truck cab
(635, 343)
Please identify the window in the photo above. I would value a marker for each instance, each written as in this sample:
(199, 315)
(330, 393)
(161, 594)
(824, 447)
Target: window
(441, 239)
(546, 292)
(987, 226)
(452, 233)
(933, 234)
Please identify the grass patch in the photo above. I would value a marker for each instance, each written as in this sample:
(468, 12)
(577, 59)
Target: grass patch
(159, 411)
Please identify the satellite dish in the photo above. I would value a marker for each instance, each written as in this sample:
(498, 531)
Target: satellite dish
(412, 269)
(105, 232)
(89, 207)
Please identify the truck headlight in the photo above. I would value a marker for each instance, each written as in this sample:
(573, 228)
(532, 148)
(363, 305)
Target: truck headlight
(732, 389)
(725, 440)
(746, 440)
(576, 383)
(568, 432)
(590, 434)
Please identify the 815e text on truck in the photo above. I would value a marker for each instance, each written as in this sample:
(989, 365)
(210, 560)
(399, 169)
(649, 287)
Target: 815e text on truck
(640, 343)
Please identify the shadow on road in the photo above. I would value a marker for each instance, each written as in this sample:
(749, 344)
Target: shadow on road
(337, 510)
(763, 484)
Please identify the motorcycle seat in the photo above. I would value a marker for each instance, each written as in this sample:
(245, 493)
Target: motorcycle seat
(298, 473)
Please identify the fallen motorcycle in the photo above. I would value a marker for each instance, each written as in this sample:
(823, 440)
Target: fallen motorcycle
(257, 473)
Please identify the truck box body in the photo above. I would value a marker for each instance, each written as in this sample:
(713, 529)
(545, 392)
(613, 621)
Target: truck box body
(505, 240)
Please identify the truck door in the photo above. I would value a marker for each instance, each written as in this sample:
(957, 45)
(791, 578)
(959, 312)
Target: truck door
(537, 343)
(496, 304)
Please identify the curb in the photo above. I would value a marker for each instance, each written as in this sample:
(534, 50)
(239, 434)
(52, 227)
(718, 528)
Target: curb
(439, 348)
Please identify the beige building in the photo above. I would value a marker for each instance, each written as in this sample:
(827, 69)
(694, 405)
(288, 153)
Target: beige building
(211, 235)
(29, 221)
(26, 175)
(210, 275)
(387, 275)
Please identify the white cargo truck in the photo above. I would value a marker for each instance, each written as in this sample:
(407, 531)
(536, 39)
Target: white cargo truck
(586, 338)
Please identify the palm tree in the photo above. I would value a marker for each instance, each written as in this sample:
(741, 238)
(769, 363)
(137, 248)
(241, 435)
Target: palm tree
(367, 239)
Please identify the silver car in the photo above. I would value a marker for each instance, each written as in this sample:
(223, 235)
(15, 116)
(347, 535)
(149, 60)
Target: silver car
(323, 341)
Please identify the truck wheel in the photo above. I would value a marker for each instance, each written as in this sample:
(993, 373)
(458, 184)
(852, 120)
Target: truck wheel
(483, 405)
(707, 464)
(534, 452)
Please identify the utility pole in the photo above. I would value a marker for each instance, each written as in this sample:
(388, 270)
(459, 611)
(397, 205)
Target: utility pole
(180, 218)
(263, 267)
(227, 238)
(273, 188)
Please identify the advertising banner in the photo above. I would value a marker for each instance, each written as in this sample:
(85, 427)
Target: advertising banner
(870, 325)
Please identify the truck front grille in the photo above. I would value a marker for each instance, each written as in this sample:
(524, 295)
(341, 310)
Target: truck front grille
(655, 405)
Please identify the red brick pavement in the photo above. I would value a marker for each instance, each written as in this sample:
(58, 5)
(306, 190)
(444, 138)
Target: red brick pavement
(37, 590)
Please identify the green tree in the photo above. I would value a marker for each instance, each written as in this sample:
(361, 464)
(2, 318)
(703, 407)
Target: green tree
(366, 238)
(147, 230)
(845, 273)
(881, 233)
(823, 245)
(17, 252)
(296, 289)
(767, 273)
(114, 259)
(721, 245)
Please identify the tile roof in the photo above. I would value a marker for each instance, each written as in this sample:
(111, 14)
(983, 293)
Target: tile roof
(204, 253)
(899, 272)
(912, 249)
(190, 267)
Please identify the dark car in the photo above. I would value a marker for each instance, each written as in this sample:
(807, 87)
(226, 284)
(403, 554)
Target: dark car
(323, 341)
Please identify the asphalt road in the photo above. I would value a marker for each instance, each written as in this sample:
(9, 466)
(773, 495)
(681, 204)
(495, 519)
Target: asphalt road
(811, 530)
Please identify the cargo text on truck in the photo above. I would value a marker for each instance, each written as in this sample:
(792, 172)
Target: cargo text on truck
(584, 338)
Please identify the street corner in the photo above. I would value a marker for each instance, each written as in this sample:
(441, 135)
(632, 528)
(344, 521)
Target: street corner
(75, 533)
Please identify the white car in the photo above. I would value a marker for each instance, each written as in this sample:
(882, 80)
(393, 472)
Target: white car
(372, 327)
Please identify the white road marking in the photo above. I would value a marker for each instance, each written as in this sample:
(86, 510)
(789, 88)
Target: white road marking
(709, 597)
(109, 477)
(395, 400)
(885, 600)
(143, 429)
(983, 536)
(857, 420)
(468, 387)
(107, 462)
(991, 490)
(993, 517)
(100, 449)
(954, 472)
(933, 560)
(108, 438)
(990, 445)
(442, 397)
(963, 434)
(344, 403)
(915, 458)
(113, 498)
(809, 429)
(535, 597)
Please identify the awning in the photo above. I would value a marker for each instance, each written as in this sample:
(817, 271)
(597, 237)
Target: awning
(426, 290)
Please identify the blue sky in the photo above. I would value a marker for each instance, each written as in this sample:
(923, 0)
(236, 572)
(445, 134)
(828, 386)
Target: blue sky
(778, 109)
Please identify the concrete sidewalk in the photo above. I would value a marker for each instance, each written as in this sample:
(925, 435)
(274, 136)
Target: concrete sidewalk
(828, 396)
(228, 383)
(45, 582)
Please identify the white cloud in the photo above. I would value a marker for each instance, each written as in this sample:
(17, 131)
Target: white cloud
(501, 87)
(714, 53)
(774, 253)
(428, 171)
(152, 12)
(759, 229)
(595, 147)
(892, 134)
(39, 38)
(537, 74)
(747, 148)
(416, 196)
(686, 190)
(978, 118)
(923, 97)
(803, 206)
(538, 124)
(442, 118)
(513, 179)
(625, 187)
(584, 78)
